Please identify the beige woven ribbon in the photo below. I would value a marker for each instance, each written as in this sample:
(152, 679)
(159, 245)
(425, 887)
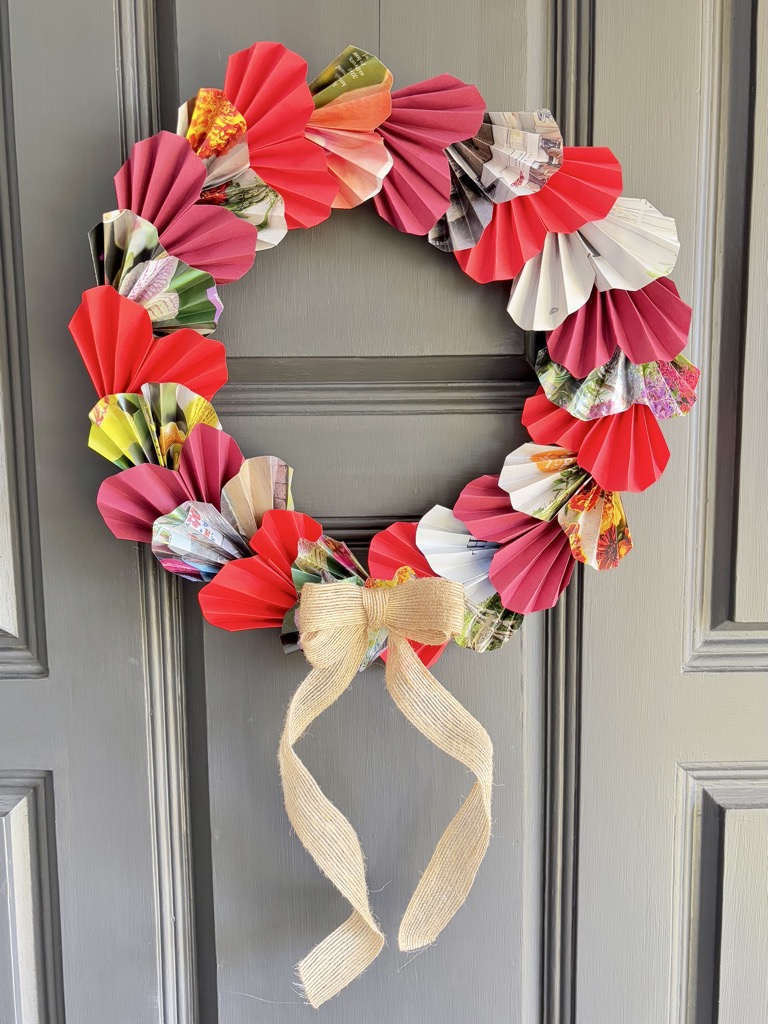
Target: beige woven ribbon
(335, 622)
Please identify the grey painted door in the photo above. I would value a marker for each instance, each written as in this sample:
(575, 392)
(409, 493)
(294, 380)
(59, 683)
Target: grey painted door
(147, 872)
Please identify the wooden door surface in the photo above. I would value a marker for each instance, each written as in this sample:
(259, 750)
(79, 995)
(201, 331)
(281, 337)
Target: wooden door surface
(147, 869)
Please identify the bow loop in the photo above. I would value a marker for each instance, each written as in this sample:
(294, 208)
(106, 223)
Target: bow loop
(429, 611)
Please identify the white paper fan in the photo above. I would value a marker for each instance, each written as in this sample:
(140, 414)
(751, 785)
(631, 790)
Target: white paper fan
(540, 479)
(453, 553)
(632, 246)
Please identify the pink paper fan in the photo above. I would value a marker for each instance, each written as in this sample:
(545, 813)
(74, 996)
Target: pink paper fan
(209, 459)
(532, 571)
(161, 181)
(131, 501)
(114, 338)
(649, 325)
(425, 118)
(485, 510)
(268, 84)
(390, 550)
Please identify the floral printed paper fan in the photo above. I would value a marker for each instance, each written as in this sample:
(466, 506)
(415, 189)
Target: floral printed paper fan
(650, 324)
(129, 429)
(584, 189)
(128, 256)
(352, 98)
(596, 527)
(195, 541)
(131, 501)
(630, 247)
(161, 181)
(667, 388)
(267, 83)
(114, 338)
(540, 479)
(624, 452)
(425, 119)
(262, 483)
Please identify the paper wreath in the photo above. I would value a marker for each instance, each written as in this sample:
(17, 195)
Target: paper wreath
(270, 152)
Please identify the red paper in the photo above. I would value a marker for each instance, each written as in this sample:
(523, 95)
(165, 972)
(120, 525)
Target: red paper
(623, 452)
(650, 325)
(161, 181)
(583, 190)
(485, 510)
(268, 84)
(255, 593)
(532, 571)
(425, 118)
(132, 500)
(114, 338)
(209, 459)
(389, 551)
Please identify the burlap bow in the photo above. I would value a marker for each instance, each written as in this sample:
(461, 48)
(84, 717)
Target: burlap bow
(335, 623)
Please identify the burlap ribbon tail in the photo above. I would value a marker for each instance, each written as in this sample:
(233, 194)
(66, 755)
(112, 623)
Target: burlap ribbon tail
(335, 623)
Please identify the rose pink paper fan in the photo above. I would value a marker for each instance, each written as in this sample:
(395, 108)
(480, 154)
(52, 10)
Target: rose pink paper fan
(486, 511)
(583, 190)
(256, 592)
(390, 550)
(131, 501)
(114, 338)
(425, 118)
(161, 181)
(648, 325)
(623, 452)
(267, 83)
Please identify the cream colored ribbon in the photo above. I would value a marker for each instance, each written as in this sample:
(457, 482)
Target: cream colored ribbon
(335, 623)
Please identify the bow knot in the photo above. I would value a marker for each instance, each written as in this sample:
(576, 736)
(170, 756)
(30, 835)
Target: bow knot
(375, 604)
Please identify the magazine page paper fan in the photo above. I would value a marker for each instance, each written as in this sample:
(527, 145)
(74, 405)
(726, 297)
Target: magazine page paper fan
(114, 338)
(249, 197)
(469, 211)
(540, 479)
(487, 512)
(623, 452)
(532, 571)
(151, 426)
(667, 388)
(131, 501)
(650, 324)
(261, 484)
(352, 98)
(267, 83)
(324, 559)
(626, 250)
(454, 554)
(248, 593)
(195, 541)
(391, 550)
(596, 527)
(585, 188)
(128, 256)
(425, 119)
(161, 181)
(209, 458)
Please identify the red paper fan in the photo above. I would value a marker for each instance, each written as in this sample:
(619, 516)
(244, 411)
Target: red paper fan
(425, 118)
(623, 452)
(161, 181)
(254, 593)
(485, 510)
(389, 551)
(114, 338)
(583, 190)
(268, 84)
(209, 459)
(650, 325)
(532, 571)
(131, 501)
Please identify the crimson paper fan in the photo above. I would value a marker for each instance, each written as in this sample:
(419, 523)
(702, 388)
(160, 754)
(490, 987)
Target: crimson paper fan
(623, 452)
(267, 83)
(209, 459)
(131, 501)
(531, 572)
(486, 511)
(161, 181)
(583, 190)
(648, 325)
(390, 550)
(425, 118)
(114, 337)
